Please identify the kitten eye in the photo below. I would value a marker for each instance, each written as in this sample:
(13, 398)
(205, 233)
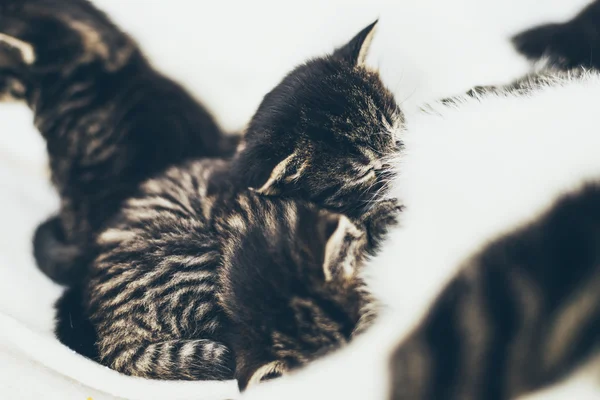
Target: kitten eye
(366, 176)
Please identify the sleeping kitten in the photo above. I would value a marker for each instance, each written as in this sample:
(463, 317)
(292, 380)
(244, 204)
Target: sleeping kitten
(83, 77)
(183, 277)
(504, 269)
(328, 133)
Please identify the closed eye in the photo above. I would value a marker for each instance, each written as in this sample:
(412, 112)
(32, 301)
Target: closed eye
(365, 176)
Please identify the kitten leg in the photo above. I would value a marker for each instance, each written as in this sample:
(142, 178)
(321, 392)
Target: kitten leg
(199, 359)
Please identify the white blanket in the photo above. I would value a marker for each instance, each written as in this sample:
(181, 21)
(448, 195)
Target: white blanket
(230, 53)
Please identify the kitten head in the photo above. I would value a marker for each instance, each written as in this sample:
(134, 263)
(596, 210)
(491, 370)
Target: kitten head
(291, 288)
(59, 35)
(326, 133)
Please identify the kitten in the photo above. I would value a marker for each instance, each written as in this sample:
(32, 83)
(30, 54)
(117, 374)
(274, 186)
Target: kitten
(328, 133)
(186, 284)
(575, 43)
(497, 296)
(83, 77)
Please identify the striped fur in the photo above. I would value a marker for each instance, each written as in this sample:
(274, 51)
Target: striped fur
(109, 119)
(329, 133)
(182, 277)
(520, 315)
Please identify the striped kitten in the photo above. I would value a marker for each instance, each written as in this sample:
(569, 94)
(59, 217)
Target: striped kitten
(328, 133)
(188, 284)
(84, 78)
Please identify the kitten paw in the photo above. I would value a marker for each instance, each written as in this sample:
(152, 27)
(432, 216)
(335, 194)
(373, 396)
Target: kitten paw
(379, 219)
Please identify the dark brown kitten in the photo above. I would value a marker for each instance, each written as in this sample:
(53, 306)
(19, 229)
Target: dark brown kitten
(109, 119)
(328, 133)
(181, 277)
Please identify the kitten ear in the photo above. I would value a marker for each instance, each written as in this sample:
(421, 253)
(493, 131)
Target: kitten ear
(24, 51)
(356, 50)
(284, 172)
(344, 244)
(268, 371)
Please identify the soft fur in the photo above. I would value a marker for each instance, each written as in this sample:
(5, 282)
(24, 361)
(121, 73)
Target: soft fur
(328, 133)
(110, 121)
(473, 171)
(83, 77)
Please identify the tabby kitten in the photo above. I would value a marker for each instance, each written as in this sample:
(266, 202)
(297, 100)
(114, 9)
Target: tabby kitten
(328, 133)
(187, 285)
(109, 119)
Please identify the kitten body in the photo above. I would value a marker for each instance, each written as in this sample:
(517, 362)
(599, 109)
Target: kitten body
(481, 225)
(181, 277)
(109, 119)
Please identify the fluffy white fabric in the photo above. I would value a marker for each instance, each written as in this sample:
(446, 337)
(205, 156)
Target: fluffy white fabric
(230, 53)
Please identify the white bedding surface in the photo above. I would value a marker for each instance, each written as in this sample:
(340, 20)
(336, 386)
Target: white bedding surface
(230, 53)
